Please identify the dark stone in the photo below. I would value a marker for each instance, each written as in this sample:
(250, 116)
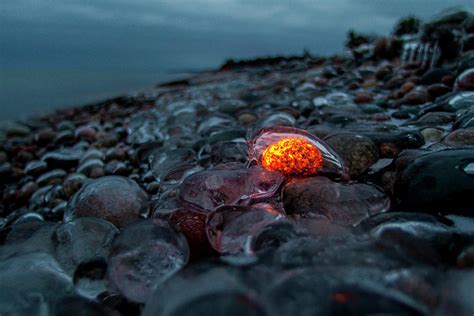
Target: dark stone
(437, 183)
(357, 151)
(465, 81)
(35, 168)
(434, 76)
(460, 137)
(64, 159)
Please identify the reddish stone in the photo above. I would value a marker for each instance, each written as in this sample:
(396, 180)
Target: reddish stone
(448, 80)
(416, 97)
(437, 90)
(465, 81)
(363, 97)
(192, 225)
(408, 86)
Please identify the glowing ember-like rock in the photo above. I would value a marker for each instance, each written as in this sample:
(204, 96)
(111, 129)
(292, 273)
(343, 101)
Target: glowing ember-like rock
(294, 152)
(292, 156)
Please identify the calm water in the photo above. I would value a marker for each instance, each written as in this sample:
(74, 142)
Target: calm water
(60, 53)
(26, 93)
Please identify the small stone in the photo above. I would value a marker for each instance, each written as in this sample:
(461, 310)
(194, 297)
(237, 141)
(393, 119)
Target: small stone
(64, 158)
(466, 258)
(363, 98)
(152, 187)
(35, 168)
(432, 135)
(437, 90)
(65, 137)
(465, 81)
(72, 183)
(192, 224)
(27, 191)
(460, 137)
(92, 153)
(113, 198)
(52, 177)
(96, 172)
(86, 166)
(408, 86)
(415, 97)
(45, 136)
(66, 125)
(247, 118)
(434, 76)
(116, 168)
(434, 118)
(357, 151)
(86, 132)
(57, 212)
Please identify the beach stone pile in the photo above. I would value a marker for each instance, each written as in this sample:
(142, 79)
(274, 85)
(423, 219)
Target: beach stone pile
(148, 204)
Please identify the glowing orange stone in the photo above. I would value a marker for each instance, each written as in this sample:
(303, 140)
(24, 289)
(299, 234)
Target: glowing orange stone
(294, 152)
(292, 156)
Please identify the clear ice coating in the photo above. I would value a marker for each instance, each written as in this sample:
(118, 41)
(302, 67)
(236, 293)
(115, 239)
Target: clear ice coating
(143, 255)
(116, 199)
(331, 163)
(81, 240)
(198, 291)
(216, 187)
(172, 165)
(233, 229)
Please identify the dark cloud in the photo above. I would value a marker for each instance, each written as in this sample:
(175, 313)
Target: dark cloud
(148, 33)
(41, 38)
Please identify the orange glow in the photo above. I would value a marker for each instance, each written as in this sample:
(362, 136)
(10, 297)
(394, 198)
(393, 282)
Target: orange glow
(292, 156)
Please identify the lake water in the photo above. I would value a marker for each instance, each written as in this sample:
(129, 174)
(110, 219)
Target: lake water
(27, 93)
(64, 53)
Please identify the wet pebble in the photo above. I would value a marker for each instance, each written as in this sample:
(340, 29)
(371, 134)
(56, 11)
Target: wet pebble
(116, 168)
(35, 168)
(460, 137)
(357, 151)
(143, 256)
(437, 183)
(113, 198)
(345, 204)
(465, 81)
(72, 183)
(51, 177)
(82, 240)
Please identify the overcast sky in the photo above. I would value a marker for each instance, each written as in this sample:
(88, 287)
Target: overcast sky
(169, 34)
(59, 53)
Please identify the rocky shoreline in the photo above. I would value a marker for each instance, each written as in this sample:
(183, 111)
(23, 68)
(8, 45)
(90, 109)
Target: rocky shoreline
(161, 204)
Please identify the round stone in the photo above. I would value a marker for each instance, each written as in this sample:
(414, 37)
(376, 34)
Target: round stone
(116, 199)
(465, 81)
(357, 151)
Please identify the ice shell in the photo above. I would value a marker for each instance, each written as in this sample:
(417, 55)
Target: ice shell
(233, 229)
(332, 163)
(143, 255)
(213, 188)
